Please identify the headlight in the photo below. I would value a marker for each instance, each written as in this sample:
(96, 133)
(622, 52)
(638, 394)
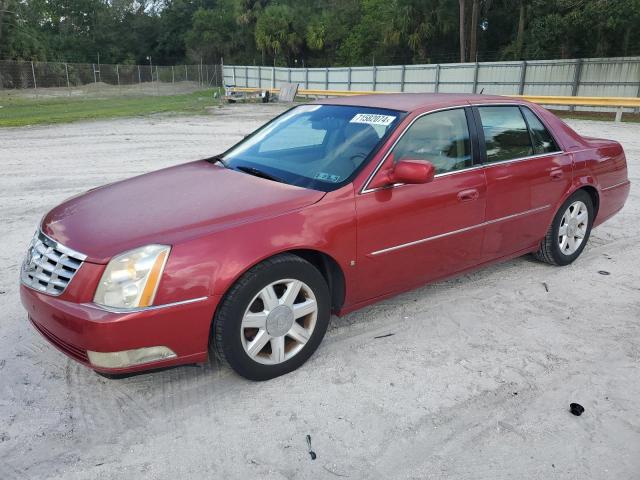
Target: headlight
(131, 279)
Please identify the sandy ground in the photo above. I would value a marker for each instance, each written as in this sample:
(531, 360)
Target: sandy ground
(475, 383)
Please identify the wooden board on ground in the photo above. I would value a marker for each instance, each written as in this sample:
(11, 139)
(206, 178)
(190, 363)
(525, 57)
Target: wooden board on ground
(288, 92)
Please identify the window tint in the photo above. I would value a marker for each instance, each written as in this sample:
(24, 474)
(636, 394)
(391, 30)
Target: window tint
(543, 142)
(299, 135)
(505, 133)
(441, 138)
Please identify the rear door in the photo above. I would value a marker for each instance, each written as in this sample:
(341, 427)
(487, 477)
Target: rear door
(410, 234)
(527, 174)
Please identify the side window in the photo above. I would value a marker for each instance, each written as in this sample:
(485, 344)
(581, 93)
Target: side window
(543, 142)
(299, 135)
(441, 138)
(505, 133)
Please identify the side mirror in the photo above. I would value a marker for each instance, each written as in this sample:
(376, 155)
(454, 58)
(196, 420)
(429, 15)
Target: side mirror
(406, 171)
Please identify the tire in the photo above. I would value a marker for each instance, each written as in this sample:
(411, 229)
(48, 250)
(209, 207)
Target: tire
(557, 249)
(264, 306)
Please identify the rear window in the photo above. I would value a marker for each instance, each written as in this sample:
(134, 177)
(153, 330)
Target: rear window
(505, 133)
(543, 142)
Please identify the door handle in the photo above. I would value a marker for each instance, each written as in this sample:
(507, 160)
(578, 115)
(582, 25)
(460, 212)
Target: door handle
(468, 195)
(556, 174)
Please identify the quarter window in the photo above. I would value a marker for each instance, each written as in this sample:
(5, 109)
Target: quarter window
(442, 138)
(543, 142)
(505, 133)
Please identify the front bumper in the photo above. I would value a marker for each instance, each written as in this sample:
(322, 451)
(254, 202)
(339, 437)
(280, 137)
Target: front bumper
(76, 328)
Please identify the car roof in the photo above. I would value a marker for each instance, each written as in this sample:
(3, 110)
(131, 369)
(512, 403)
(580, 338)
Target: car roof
(415, 101)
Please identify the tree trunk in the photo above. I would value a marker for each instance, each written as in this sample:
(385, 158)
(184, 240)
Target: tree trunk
(473, 47)
(3, 6)
(462, 34)
(520, 35)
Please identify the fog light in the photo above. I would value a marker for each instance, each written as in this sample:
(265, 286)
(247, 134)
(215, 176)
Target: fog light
(127, 358)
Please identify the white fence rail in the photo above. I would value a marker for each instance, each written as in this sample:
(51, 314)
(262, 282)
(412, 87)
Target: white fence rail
(589, 77)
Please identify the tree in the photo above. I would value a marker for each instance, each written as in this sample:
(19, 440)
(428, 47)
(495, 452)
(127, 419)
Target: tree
(276, 33)
(462, 5)
(473, 46)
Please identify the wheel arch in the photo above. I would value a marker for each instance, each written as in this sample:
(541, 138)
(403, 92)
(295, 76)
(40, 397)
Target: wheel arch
(595, 198)
(328, 266)
(330, 270)
(588, 186)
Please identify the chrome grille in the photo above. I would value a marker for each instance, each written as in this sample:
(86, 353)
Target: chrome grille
(49, 266)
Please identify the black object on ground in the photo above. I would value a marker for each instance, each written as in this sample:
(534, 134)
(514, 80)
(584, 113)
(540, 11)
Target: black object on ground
(576, 409)
(385, 335)
(603, 272)
(311, 452)
(546, 287)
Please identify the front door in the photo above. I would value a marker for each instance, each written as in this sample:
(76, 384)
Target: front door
(411, 234)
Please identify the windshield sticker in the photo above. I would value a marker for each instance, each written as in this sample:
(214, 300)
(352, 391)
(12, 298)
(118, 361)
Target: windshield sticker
(327, 177)
(372, 119)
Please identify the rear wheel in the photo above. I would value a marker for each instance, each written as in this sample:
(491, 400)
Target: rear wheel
(569, 231)
(273, 318)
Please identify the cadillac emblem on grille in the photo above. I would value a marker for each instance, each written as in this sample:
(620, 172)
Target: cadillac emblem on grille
(49, 266)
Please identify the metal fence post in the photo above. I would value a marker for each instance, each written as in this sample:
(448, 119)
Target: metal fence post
(95, 80)
(259, 76)
(306, 78)
(173, 75)
(618, 118)
(437, 80)
(66, 71)
(576, 81)
(326, 78)
(33, 72)
(273, 77)
(636, 110)
(186, 73)
(349, 79)
(118, 74)
(289, 74)
(246, 76)
(139, 76)
(402, 77)
(523, 76)
(475, 78)
(375, 77)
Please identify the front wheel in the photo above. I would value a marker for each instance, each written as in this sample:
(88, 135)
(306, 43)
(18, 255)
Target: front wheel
(273, 318)
(569, 231)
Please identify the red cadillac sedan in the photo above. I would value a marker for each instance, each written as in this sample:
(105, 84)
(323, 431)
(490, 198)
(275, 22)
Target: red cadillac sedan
(327, 208)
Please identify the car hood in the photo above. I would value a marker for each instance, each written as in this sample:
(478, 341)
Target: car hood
(168, 206)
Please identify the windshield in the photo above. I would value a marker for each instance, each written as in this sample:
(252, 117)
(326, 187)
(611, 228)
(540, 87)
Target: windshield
(314, 146)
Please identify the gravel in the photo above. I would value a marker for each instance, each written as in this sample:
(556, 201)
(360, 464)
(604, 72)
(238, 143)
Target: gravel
(474, 383)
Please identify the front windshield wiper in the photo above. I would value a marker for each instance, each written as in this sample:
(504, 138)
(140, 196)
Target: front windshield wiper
(259, 173)
(217, 159)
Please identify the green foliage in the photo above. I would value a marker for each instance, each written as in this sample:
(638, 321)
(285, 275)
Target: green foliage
(312, 32)
(20, 111)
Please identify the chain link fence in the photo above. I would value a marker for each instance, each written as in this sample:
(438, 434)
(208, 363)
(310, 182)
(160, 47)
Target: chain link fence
(78, 79)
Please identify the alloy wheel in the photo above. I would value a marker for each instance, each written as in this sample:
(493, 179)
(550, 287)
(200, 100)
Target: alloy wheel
(279, 321)
(573, 227)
